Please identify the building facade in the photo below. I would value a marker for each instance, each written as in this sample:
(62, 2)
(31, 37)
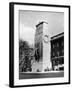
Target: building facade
(57, 52)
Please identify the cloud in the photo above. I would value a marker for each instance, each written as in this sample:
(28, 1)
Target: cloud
(27, 34)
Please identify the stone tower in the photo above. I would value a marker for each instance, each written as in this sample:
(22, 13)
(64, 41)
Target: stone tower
(42, 47)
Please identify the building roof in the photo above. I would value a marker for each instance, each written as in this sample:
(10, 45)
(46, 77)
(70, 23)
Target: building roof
(57, 36)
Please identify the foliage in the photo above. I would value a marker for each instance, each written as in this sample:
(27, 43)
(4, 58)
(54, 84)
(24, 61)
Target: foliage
(25, 56)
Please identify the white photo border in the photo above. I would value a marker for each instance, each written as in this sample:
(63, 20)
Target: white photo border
(42, 81)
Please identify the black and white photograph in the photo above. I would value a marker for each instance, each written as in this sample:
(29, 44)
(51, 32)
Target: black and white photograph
(40, 53)
(41, 44)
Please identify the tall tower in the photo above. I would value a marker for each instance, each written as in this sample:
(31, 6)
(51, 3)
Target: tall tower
(42, 46)
(46, 47)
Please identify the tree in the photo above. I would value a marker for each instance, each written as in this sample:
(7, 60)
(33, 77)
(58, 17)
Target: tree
(25, 56)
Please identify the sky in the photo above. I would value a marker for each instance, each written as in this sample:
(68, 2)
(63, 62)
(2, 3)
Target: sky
(29, 19)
